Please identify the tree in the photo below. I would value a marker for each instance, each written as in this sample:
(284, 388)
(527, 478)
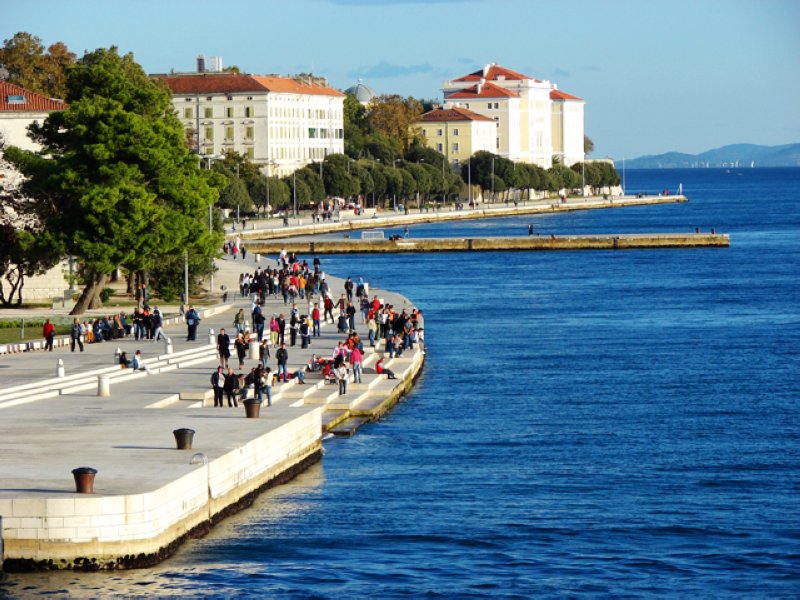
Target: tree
(588, 145)
(29, 66)
(120, 188)
(393, 116)
(310, 176)
(337, 179)
(235, 194)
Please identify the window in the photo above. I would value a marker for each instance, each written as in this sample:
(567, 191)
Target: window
(248, 111)
(209, 133)
(455, 131)
(497, 105)
(229, 112)
(248, 133)
(312, 132)
(16, 99)
(229, 133)
(187, 113)
(498, 143)
(439, 132)
(208, 112)
(466, 106)
(490, 105)
(455, 147)
(439, 147)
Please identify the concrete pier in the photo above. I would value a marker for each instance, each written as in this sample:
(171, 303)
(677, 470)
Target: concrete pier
(532, 243)
(148, 496)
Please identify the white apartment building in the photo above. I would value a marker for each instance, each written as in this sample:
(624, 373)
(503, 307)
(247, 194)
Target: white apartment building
(534, 120)
(280, 123)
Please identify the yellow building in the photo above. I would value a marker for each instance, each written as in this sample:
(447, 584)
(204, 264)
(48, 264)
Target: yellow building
(457, 133)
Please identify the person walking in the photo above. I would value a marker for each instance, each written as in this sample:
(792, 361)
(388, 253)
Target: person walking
(356, 363)
(238, 321)
(266, 384)
(192, 321)
(75, 335)
(157, 323)
(282, 355)
(231, 386)
(223, 348)
(258, 319)
(218, 384)
(341, 377)
(263, 352)
(315, 318)
(49, 334)
(241, 349)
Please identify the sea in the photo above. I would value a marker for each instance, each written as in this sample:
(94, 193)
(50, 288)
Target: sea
(589, 423)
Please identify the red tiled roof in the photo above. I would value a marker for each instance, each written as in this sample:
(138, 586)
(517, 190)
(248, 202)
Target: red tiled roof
(493, 73)
(559, 95)
(16, 98)
(487, 90)
(231, 83)
(455, 113)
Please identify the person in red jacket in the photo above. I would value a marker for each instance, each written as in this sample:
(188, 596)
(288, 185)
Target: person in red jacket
(49, 333)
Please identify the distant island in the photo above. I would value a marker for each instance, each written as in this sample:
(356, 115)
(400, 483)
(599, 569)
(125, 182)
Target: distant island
(732, 156)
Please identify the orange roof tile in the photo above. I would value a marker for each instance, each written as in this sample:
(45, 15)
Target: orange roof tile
(455, 113)
(231, 83)
(559, 95)
(493, 73)
(17, 98)
(487, 90)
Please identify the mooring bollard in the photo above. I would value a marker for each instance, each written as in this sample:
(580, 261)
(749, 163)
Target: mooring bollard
(258, 258)
(60, 368)
(167, 345)
(84, 479)
(211, 339)
(103, 386)
(254, 350)
(183, 438)
(117, 352)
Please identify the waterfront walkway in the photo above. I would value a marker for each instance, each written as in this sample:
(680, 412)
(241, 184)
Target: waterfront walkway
(147, 494)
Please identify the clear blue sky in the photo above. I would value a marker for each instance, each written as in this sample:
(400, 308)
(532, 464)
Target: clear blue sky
(660, 75)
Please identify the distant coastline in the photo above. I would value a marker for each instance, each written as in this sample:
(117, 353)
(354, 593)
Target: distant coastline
(734, 156)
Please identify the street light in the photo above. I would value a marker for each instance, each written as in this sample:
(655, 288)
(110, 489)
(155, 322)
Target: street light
(394, 196)
(492, 179)
(419, 202)
(294, 191)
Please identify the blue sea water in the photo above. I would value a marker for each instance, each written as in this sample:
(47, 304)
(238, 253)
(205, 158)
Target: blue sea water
(589, 423)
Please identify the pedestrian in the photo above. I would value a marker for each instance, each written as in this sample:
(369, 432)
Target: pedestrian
(192, 321)
(231, 386)
(341, 377)
(263, 352)
(223, 348)
(49, 334)
(356, 362)
(315, 318)
(238, 321)
(157, 323)
(282, 355)
(305, 332)
(75, 335)
(266, 384)
(241, 349)
(530, 229)
(218, 384)
(258, 319)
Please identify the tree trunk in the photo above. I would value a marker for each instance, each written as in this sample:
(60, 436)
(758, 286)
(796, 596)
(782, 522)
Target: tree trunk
(90, 296)
(131, 280)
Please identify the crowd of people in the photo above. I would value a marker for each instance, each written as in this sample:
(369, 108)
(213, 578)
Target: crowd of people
(295, 281)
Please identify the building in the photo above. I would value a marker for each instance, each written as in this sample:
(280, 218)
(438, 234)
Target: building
(457, 133)
(534, 120)
(362, 92)
(281, 123)
(19, 108)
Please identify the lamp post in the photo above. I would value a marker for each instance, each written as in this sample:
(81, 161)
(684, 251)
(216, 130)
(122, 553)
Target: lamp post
(394, 196)
(623, 177)
(419, 201)
(294, 192)
(444, 185)
(469, 181)
(583, 177)
(211, 230)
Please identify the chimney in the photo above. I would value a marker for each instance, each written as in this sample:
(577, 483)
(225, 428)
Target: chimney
(201, 63)
(486, 68)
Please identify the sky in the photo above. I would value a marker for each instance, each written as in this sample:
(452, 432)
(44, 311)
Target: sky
(656, 75)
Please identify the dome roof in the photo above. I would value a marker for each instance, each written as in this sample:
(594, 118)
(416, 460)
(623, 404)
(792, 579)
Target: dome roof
(363, 93)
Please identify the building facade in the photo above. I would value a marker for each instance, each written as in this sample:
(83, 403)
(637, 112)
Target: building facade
(279, 123)
(534, 121)
(457, 133)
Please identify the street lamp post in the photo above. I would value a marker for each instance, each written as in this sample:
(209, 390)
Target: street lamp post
(394, 196)
(294, 192)
(493, 180)
(469, 181)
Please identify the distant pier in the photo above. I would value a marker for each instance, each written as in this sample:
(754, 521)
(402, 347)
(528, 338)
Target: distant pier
(489, 244)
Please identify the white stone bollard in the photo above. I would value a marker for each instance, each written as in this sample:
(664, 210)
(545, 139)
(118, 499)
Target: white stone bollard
(117, 352)
(60, 368)
(258, 258)
(167, 345)
(253, 350)
(211, 338)
(103, 386)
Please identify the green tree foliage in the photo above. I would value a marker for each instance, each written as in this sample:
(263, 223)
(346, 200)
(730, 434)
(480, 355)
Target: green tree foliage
(309, 175)
(563, 177)
(28, 64)
(120, 187)
(235, 193)
(598, 174)
(23, 252)
(337, 178)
